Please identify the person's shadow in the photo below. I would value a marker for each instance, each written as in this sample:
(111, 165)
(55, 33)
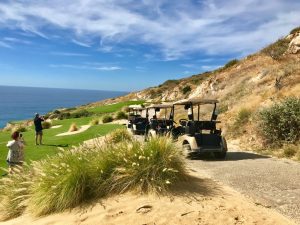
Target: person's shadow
(61, 145)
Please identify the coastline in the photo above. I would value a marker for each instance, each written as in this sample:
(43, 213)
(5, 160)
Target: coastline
(26, 101)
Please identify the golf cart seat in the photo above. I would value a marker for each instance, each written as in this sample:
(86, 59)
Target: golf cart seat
(197, 126)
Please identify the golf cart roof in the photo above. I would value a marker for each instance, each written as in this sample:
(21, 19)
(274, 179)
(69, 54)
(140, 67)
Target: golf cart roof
(136, 107)
(160, 106)
(196, 101)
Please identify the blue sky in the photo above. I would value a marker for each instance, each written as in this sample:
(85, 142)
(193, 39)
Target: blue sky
(131, 44)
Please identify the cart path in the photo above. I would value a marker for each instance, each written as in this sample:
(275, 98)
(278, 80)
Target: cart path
(270, 182)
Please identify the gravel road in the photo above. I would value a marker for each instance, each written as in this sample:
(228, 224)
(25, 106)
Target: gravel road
(270, 182)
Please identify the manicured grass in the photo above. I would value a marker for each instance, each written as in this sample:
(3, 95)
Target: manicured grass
(114, 107)
(51, 141)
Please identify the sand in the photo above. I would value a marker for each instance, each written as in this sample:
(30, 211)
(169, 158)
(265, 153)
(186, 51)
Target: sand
(199, 201)
(57, 126)
(81, 129)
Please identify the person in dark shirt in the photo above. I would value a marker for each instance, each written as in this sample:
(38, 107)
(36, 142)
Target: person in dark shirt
(38, 129)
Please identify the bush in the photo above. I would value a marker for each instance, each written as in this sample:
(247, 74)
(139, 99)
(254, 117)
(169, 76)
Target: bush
(121, 115)
(56, 111)
(243, 116)
(64, 115)
(295, 30)
(230, 63)
(277, 49)
(119, 135)
(107, 119)
(73, 127)
(281, 122)
(186, 89)
(289, 151)
(19, 128)
(80, 113)
(46, 125)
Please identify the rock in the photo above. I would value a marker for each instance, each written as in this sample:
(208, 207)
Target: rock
(294, 46)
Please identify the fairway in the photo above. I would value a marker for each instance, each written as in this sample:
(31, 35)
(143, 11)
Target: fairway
(51, 141)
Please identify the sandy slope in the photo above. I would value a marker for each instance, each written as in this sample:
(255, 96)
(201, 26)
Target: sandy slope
(199, 201)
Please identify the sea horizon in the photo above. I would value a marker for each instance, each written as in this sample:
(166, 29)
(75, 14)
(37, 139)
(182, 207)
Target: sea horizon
(21, 103)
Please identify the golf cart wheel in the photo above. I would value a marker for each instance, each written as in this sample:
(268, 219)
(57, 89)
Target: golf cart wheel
(220, 155)
(186, 149)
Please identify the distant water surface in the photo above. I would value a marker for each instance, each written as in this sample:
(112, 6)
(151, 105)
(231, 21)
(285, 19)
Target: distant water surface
(18, 103)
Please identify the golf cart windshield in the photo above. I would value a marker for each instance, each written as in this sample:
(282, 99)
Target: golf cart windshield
(161, 112)
(198, 109)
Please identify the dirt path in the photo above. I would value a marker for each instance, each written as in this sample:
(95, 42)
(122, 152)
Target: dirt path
(270, 182)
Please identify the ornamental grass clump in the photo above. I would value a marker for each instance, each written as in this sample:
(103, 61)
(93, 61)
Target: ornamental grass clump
(81, 174)
(69, 179)
(94, 122)
(73, 127)
(152, 167)
(14, 193)
(119, 135)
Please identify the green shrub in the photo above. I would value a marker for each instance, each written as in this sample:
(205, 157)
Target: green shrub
(222, 108)
(46, 125)
(80, 113)
(289, 151)
(56, 111)
(281, 122)
(230, 63)
(121, 115)
(19, 128)
(243, 116)
(295, 30)
(119, 135)
(171, 82)
(64, 115)
(277, 49)
(186, 89)
(107, 119)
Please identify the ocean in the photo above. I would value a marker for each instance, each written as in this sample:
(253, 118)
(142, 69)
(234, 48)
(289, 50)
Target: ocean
(18, 103)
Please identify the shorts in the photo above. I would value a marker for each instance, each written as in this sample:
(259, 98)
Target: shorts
(39, 132)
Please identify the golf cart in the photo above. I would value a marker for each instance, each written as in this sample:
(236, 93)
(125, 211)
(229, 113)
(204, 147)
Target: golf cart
(136, 122)
(161, 119)
(201, 136)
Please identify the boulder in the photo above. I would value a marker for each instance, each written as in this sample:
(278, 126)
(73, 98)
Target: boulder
(294, 46)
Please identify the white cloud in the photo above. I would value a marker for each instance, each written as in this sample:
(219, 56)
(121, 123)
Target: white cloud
(16, 40)
(69, 54)
(83, 44)
(175, 28)
(5, 45)
(85, 67)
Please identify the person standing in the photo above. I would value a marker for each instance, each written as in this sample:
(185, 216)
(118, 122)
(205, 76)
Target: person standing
(15, 156)
(38, 129)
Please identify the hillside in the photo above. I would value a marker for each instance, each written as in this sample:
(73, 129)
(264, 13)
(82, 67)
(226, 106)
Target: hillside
(247, 85)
